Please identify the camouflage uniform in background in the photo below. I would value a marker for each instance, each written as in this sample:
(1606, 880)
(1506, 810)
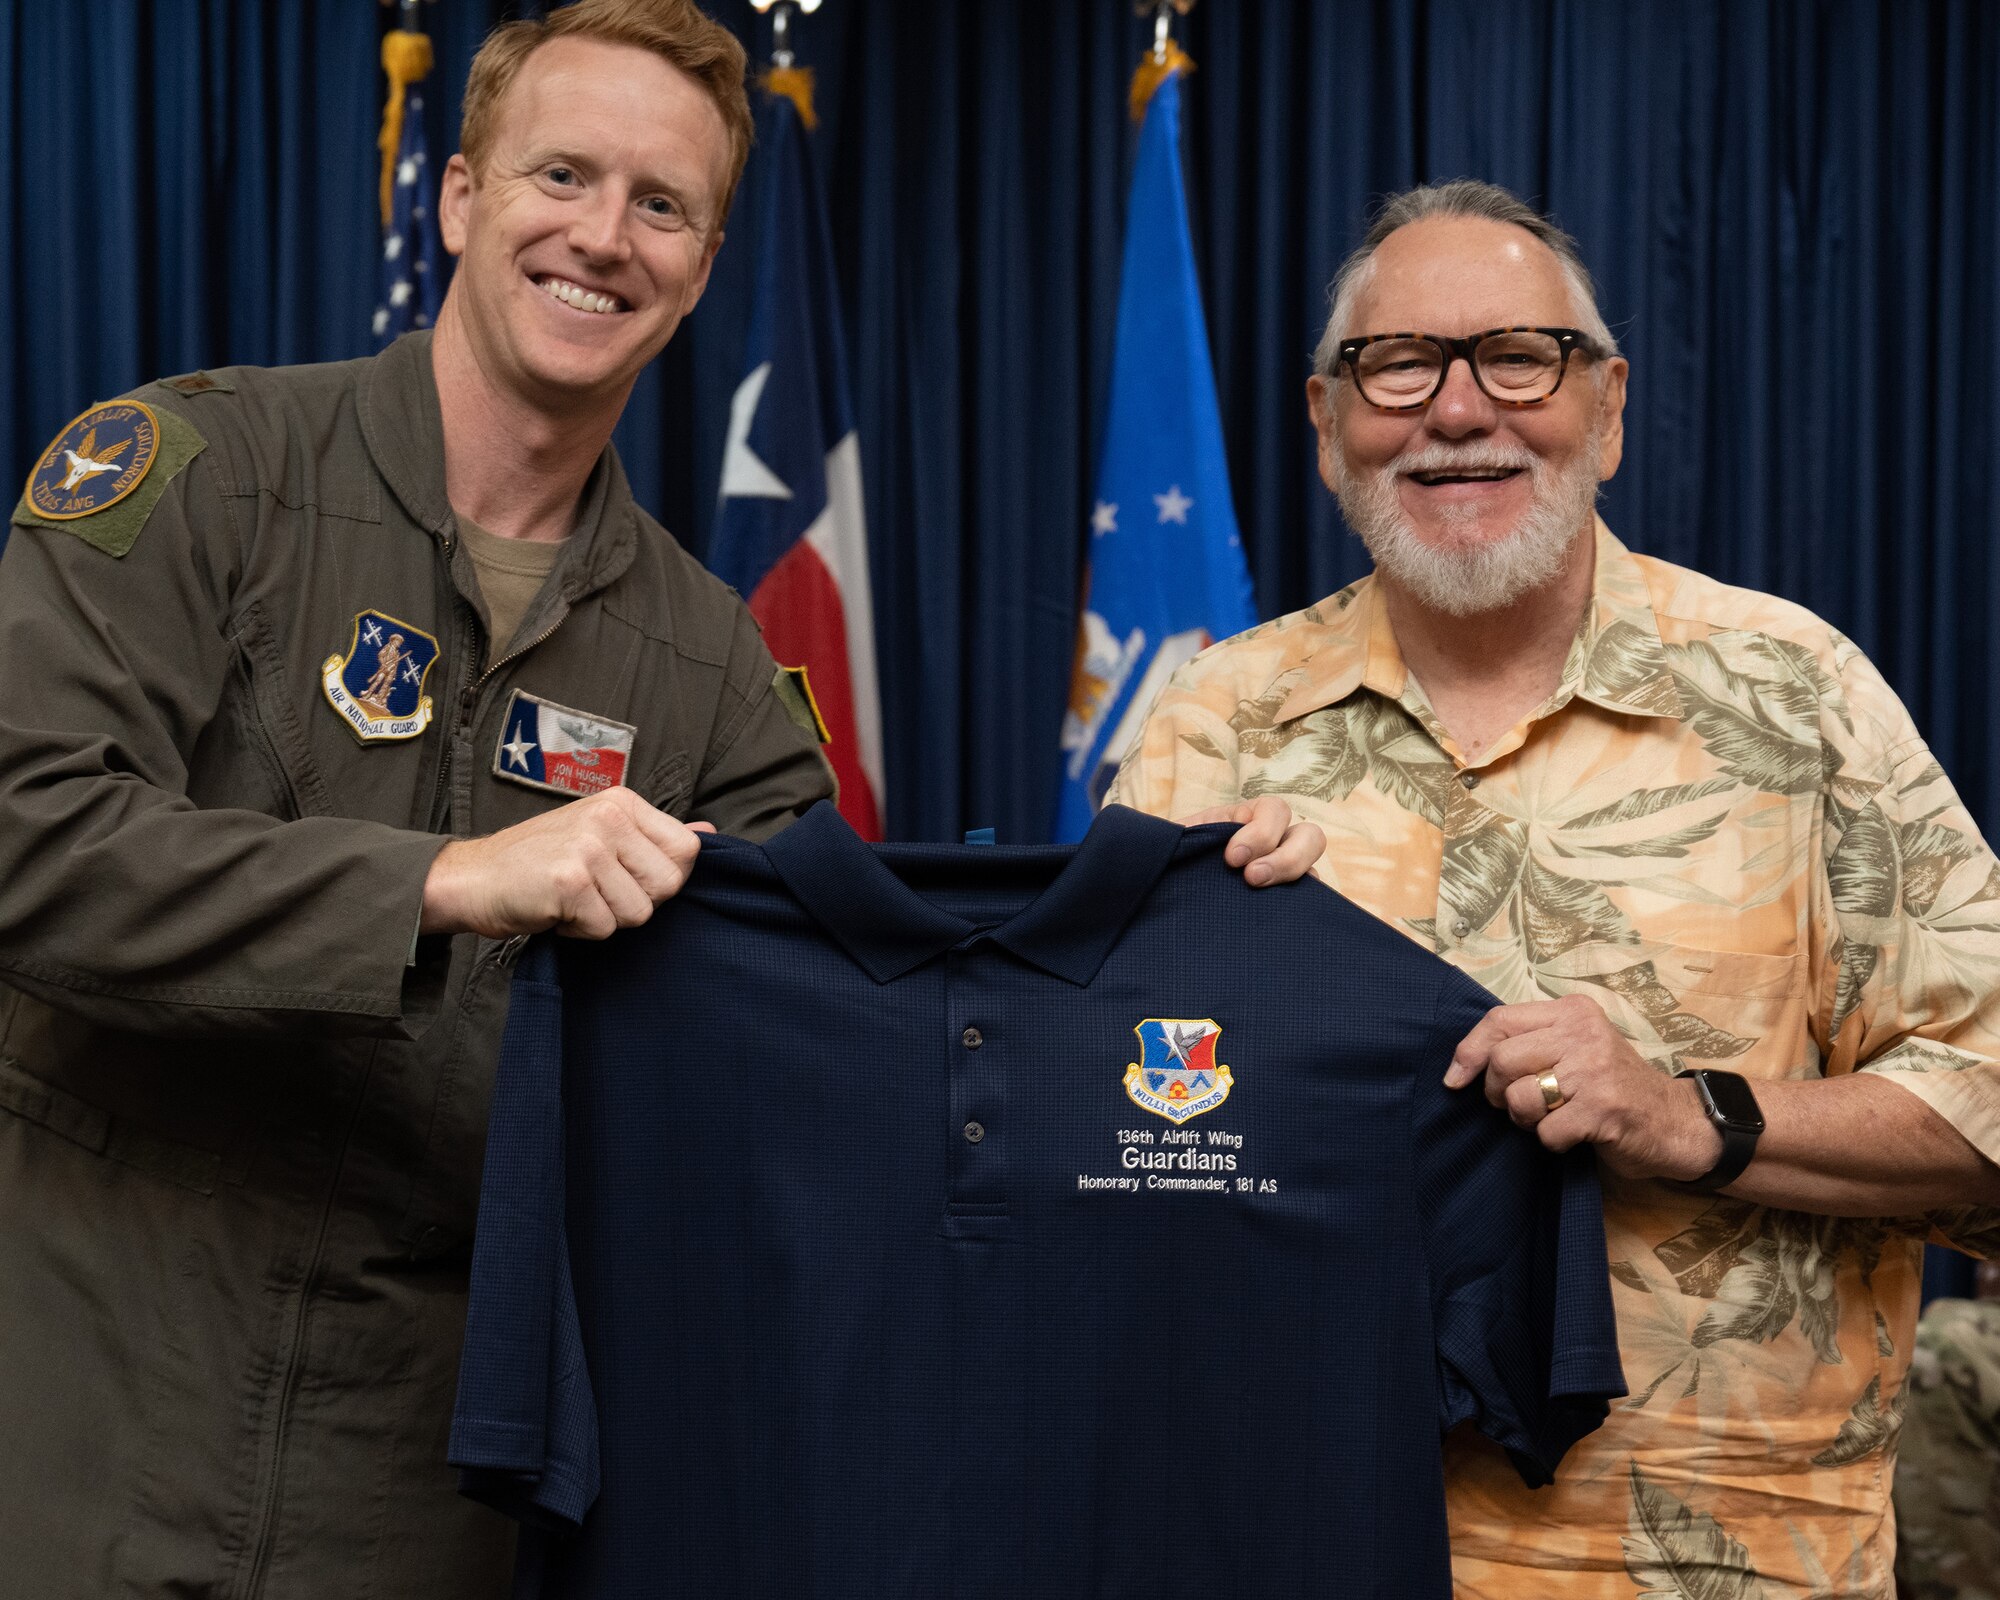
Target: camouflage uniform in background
(1948, 1482)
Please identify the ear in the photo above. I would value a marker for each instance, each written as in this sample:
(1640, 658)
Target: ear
(1320, 407)
(1611, 418)
(454, 201)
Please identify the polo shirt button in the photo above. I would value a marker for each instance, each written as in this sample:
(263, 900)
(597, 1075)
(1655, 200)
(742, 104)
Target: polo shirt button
(1461, 927)
(974, 1132)
(972, 1038)
(1469, 779)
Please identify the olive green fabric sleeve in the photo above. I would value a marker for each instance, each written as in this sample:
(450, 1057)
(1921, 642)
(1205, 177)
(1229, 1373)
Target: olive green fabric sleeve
(764, 769)
(122, 901)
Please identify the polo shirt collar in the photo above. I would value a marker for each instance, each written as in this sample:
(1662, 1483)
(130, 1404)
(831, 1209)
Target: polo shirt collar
(853, 892)
(1617, 660)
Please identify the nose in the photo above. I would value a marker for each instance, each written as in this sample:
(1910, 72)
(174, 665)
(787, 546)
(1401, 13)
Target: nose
(597, 229)
(1460, 407)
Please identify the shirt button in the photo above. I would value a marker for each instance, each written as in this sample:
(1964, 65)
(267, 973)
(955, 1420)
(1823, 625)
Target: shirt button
(1469, 779)
(974, 1132)
(972, 1038)
(1461, 927)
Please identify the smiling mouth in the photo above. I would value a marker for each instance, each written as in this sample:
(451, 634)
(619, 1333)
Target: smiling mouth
(579, 298)
(1433, 480)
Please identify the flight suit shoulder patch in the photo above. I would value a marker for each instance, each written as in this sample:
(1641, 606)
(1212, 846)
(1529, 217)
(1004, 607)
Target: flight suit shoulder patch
(795, 694)
(102, 475)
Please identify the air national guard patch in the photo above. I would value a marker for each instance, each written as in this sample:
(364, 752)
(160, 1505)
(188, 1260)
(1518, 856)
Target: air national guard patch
(95, 462)
(547, 746)
(1177, 1076)
(378, 686)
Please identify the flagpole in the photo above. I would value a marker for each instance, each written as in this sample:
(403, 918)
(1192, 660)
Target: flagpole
(782, 12)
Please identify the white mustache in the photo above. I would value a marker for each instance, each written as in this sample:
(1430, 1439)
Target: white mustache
(1440, 457)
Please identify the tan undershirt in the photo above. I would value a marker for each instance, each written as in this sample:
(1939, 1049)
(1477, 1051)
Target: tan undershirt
(511, 573)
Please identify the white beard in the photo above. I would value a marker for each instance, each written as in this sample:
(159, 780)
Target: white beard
(1466, 576)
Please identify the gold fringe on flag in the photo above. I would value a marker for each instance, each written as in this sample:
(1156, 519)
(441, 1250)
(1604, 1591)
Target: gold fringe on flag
(796, 85)
(406, 57)
(1152, 73)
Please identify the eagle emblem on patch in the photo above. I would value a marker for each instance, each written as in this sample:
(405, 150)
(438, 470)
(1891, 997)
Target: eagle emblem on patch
(560, 749)
(1177, 1075)
(95, 462)
(378, 685)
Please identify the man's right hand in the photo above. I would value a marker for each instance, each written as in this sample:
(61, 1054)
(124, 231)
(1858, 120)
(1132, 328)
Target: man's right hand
(596, 865)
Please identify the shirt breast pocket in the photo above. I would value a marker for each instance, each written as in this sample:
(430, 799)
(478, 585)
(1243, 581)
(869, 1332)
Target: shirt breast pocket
(1684, 1007)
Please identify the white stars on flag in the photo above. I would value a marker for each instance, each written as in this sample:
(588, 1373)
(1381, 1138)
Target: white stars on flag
(1173, 505)
(1104, 519)
(409, 242)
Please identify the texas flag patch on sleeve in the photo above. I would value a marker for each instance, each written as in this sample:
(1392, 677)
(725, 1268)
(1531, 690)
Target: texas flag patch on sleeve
(547, 746)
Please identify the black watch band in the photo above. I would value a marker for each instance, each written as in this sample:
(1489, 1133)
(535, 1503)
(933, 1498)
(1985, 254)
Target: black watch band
(1731, 1109)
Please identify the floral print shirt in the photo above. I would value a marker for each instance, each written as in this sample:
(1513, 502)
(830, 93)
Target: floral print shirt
(1724, 828)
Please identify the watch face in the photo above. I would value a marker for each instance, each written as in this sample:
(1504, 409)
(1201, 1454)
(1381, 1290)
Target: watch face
(1728, 1094)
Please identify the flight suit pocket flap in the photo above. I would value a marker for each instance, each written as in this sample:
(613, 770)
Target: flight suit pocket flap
(61, 1113)
(97, 1131)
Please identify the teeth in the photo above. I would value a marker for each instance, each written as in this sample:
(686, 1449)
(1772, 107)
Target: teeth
(571, 294)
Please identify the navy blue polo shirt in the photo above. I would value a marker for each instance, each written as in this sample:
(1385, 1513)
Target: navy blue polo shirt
(923, 1221)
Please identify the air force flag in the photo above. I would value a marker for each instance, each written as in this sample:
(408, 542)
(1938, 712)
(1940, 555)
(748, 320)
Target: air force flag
(791, 532)
(1165, 574)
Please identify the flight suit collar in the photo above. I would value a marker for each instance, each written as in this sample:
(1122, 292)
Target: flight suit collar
(404, 429)
(890, 930)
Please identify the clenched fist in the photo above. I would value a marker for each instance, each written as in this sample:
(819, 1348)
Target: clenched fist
(592, 867)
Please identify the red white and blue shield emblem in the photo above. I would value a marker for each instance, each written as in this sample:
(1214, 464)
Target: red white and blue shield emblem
(1177, 1075)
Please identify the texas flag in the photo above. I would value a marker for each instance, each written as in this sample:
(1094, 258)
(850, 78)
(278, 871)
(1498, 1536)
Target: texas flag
(791, 532)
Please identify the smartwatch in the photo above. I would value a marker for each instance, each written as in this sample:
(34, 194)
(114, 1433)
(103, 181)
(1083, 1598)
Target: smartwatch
(1731, 1109)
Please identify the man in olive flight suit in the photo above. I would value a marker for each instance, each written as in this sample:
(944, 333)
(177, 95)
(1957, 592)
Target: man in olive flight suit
(290, 759)
(277, 787)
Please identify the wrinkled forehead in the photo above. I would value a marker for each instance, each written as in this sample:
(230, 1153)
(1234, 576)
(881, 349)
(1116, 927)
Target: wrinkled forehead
(1461, 275)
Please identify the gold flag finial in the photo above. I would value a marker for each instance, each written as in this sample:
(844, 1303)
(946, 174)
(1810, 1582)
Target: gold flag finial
(796, 85)
(406, 57)
(1162, 61)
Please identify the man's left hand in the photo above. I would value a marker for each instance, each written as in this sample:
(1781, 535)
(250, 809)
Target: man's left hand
(1644, 1124)
(1270, 846)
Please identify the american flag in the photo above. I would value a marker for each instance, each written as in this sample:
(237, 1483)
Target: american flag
(412, 279)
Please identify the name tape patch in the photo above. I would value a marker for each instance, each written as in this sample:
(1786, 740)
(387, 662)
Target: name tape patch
(558, 748)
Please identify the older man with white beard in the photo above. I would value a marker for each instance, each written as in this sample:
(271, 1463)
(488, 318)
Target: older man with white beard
(1747, 936)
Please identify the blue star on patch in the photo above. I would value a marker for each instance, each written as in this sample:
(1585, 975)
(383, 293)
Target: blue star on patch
(95, 462)
(378, 685)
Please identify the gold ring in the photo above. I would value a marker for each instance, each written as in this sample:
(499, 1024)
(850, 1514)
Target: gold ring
(1552, 1091)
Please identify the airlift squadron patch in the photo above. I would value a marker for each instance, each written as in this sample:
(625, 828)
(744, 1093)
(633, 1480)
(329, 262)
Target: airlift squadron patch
(100, 477)
(1177, 1076)
(378, 686)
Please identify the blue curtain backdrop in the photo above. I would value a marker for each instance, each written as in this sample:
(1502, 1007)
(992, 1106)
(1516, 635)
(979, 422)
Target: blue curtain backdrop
(1791, 208)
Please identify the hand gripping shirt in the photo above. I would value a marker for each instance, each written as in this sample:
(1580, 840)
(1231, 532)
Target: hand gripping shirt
(917, 1221)
(1725, 830)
